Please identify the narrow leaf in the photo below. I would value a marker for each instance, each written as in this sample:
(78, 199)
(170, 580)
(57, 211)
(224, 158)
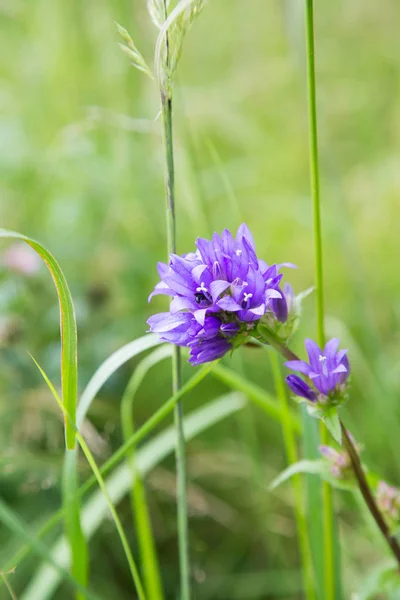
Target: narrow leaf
(13, 522)
(255, 393)
(69, 365)
(140, 512)
(95, 510)
(73, 528)
(100, 481)
(314, 467)
(109, 367)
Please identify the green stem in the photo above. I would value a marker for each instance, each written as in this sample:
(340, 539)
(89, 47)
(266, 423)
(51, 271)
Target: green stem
(314, 170)
(140, 511)
(98, 477)
(118, 524)
(183, 532)
(329, 554)
(291, 453)
(368, 495)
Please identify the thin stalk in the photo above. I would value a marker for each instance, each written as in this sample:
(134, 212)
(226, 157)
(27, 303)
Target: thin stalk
(97, 474)
(140, 511)
(368, 496)
(298, 491)
(327, 500)
(183, 533)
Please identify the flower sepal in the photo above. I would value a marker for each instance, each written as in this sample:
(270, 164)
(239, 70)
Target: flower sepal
(285, 330)
(330, 416)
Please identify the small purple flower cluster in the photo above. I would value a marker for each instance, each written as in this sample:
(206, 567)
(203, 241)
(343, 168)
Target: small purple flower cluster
(388, 500)
(340, 465)
(327, 371)
(219, 293)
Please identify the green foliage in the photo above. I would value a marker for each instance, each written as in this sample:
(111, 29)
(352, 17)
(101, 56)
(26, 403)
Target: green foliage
(90, 188)
(313, 467)
(69, 364)
(140, 511)
(95, 509)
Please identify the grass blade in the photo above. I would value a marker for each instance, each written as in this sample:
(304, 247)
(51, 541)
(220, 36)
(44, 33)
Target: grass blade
(150, 567)
(291, 454)
(100, 481)
(330, 575)
(119, 455)
(256, 394)
(108, 368)
(69, 378)
(69, 364)
(15, 524)
(72, 521)
(95, 509)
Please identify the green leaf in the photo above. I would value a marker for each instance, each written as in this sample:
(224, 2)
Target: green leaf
(255, 393)
(95, 510)
(100, 481)
(13, 522)
(69, 365)
(332, 421)
(384, 579)
(314, 467)
(123, 451)
(72, 522)
(109, 367)
(319, 467)
(140, 512)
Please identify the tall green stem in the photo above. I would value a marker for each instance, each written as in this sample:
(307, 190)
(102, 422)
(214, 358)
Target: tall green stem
(299, 504)
(183, 533)
(329, 554)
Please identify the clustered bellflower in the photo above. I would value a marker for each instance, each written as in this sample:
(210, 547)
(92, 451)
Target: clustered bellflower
(219, 294)
(327, 373)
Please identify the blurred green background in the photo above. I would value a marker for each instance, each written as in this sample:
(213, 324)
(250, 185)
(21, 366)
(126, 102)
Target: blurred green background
(81, 170)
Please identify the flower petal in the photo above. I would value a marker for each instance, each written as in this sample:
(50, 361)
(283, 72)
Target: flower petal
(218, 287)
(314, 352)
(298, 365)
(200, 315)
(331, 348)
(300, 388)
(244, 232)
(229, 304)
(164, 322)
(182, 303)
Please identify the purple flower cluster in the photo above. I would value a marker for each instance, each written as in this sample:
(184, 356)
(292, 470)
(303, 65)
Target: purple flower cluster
(327, 370)
(388, 500)
(218, 292)
(340, 464)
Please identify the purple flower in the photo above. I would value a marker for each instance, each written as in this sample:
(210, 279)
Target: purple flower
(206, 342)
(328, 371)
(219, 291)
